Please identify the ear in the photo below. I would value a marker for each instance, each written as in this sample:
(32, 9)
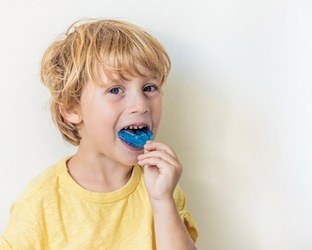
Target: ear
(71, 115)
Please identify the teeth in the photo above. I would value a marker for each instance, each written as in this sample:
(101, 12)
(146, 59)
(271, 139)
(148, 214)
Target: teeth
(135, 127)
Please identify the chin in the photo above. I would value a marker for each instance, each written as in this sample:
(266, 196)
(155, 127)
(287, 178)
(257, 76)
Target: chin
(130, 158)
(129, 162)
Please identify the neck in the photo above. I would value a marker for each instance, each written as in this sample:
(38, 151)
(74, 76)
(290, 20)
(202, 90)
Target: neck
(98, 173)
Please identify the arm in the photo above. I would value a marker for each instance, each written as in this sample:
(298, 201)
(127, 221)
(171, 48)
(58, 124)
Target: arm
(162, 171)
(170, 230)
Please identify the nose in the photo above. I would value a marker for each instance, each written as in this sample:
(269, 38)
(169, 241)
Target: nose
(138, 103)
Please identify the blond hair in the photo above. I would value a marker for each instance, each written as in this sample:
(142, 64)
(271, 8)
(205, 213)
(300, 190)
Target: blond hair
(119, 48)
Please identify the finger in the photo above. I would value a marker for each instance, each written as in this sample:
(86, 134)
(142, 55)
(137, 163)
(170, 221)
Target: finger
(159, 154)
(158, 162)
(163, 166)
(152, 168)
(153, 145)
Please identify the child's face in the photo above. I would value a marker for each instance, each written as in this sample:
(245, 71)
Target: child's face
(106, 110)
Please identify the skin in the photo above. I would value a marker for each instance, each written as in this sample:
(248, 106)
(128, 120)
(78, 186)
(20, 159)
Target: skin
(104, 165)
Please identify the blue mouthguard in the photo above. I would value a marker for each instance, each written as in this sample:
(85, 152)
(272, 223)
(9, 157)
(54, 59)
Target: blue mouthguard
(136, 138)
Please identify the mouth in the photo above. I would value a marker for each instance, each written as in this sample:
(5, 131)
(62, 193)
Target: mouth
(136, 135)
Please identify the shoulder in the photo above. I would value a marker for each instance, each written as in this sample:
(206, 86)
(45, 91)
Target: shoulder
(43, 184)
(24, 230)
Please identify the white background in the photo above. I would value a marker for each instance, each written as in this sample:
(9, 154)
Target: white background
(237, 109)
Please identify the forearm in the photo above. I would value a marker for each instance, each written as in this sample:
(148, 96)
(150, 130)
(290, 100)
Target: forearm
(170, 230)
(162, 171)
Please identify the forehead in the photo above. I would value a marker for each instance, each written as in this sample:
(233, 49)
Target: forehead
(106, 77)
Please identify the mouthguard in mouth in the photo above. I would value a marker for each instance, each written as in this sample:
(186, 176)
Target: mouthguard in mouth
(136, 137)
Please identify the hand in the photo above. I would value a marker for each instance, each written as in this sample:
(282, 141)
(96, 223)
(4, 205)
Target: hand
(162, 170)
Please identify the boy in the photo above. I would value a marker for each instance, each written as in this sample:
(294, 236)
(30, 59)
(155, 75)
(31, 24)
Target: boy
(105, 77)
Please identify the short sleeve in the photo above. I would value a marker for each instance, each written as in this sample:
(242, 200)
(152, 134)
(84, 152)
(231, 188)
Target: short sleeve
(4, 245)
(22, 231)
(185, 215)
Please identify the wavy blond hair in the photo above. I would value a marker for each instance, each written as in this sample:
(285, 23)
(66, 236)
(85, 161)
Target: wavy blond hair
(118, 48)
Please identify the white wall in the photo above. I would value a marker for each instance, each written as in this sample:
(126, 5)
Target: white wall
(238, 109)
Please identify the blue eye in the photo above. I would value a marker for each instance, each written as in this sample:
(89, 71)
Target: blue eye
(150, 88)
(115, 90)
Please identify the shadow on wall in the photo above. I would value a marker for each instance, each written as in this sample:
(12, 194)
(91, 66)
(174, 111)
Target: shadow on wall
(193, 125)
(211, 131)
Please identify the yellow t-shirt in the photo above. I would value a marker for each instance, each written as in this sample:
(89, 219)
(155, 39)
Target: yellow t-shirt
(55, 212)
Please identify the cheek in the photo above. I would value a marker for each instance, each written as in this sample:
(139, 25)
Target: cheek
(160, 110)
(156, 104)
(157, 113)
(160, 105)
